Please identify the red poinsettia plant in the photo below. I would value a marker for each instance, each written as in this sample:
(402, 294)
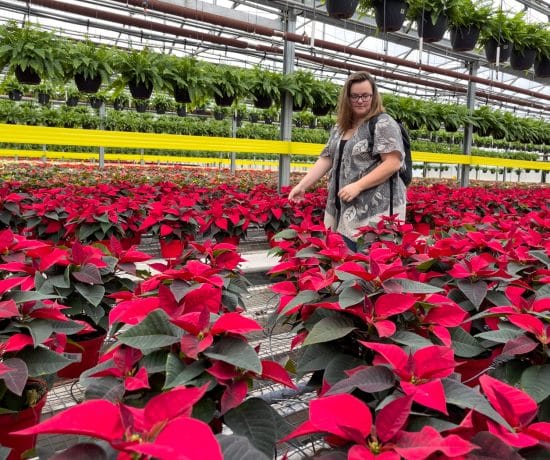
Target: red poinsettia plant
(425, 316)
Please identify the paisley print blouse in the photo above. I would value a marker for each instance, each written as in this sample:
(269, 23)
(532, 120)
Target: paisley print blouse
(355, 162)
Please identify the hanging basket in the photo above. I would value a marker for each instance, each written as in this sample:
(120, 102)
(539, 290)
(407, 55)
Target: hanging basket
(43, 98)
(390, 14)
(181, 95)
(28, 76)
(262, 101)
(431, 32)
(522, 59)
(464, 38)
(141, 106)
(84, 350)
(321, 110)
(181, 111)
(491, 50)
(95, 102)
(72, 101)
(542, 67)
(341, 9)
(21, 420)
(140, 90)
(87, 85)
(224, 101)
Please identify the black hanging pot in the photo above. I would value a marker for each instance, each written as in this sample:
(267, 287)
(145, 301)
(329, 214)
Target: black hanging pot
(522, 59)
(15, 95)
(542, 66)
(87, 85)
(389, 14)
(261, 101)
(28, 76)
(321, 110)
(219, 116)
(224, 101)
(43, 98)
(464, 38)
(254, 117)
(118, 105)
(72, 101)
(431, 32)
(341, 9)
(140, 90)
(181, 95)
(491, 50)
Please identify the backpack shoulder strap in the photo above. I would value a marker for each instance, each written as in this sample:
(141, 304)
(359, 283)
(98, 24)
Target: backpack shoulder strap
(372, 125)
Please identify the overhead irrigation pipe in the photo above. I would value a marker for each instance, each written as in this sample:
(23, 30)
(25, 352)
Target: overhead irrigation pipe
(240, 44)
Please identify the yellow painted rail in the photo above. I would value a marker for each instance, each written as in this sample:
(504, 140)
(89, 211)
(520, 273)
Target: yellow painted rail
(41, 135)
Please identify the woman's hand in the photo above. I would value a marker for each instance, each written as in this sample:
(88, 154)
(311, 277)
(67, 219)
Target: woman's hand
(296, 194)
(349, 192)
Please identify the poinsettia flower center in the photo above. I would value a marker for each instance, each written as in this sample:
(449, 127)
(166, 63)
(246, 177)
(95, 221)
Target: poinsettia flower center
(374, 446)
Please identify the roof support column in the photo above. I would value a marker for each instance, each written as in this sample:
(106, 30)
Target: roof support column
(468, 129)
(289, 25)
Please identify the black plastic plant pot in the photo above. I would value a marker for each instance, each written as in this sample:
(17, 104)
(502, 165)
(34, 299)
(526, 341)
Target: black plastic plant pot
(95, 102)
(262, 101)
(161, 110)
(181, 111)
(432, 33)
(141, 106)
(223, 101)
(522, 59)
(72, 101)
(87, 85)
(390, 14)
(28, 76)
(118, 105)
(341, 9)
(491, 50)
(253, 117)
(464, 38)
(140, 90)
(542, 67)
(15, 95)
(181, 95)
(43, 98)
(219, 115)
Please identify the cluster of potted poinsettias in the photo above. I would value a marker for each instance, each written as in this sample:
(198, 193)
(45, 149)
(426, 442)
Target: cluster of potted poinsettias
(424, 346)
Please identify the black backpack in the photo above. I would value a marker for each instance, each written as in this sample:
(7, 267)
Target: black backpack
(405, 173)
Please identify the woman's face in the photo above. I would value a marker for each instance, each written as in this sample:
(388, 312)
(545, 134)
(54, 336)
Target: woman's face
(360, 98)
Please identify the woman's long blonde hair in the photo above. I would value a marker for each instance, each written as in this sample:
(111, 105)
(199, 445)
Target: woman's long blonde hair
(344, 117)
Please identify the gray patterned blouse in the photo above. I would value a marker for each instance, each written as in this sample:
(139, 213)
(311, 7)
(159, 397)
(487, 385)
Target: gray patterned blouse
(356, 162)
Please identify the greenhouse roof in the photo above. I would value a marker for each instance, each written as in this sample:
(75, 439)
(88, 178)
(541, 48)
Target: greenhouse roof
(251, 32)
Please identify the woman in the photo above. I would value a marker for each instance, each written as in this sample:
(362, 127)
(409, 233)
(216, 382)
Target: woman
(359, 185)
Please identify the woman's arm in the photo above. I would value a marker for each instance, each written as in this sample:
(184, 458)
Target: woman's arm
(318, 170)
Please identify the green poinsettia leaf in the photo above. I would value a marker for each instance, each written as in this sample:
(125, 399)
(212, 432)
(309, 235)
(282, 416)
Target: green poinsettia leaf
(463, 396)
(260, 423)
(237, 352)
(403, 285)
(371, 379)
(88, 274)
(463, 344)
(411, 340)
(491, 446)
(239, 447)
(42, 361)
(475, 291)
(500, 335)
(329, 329)
(534, 381)
(92, 293)
(177, 373)
(338, 365)
(16, 379)
(542, 256)
(543, 292)
(315, 357)
(155, 331)
(350, 296)
(303, 297)
(40, 330)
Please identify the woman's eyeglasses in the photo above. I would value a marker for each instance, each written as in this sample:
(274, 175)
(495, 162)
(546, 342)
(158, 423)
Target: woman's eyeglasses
(360, 97)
